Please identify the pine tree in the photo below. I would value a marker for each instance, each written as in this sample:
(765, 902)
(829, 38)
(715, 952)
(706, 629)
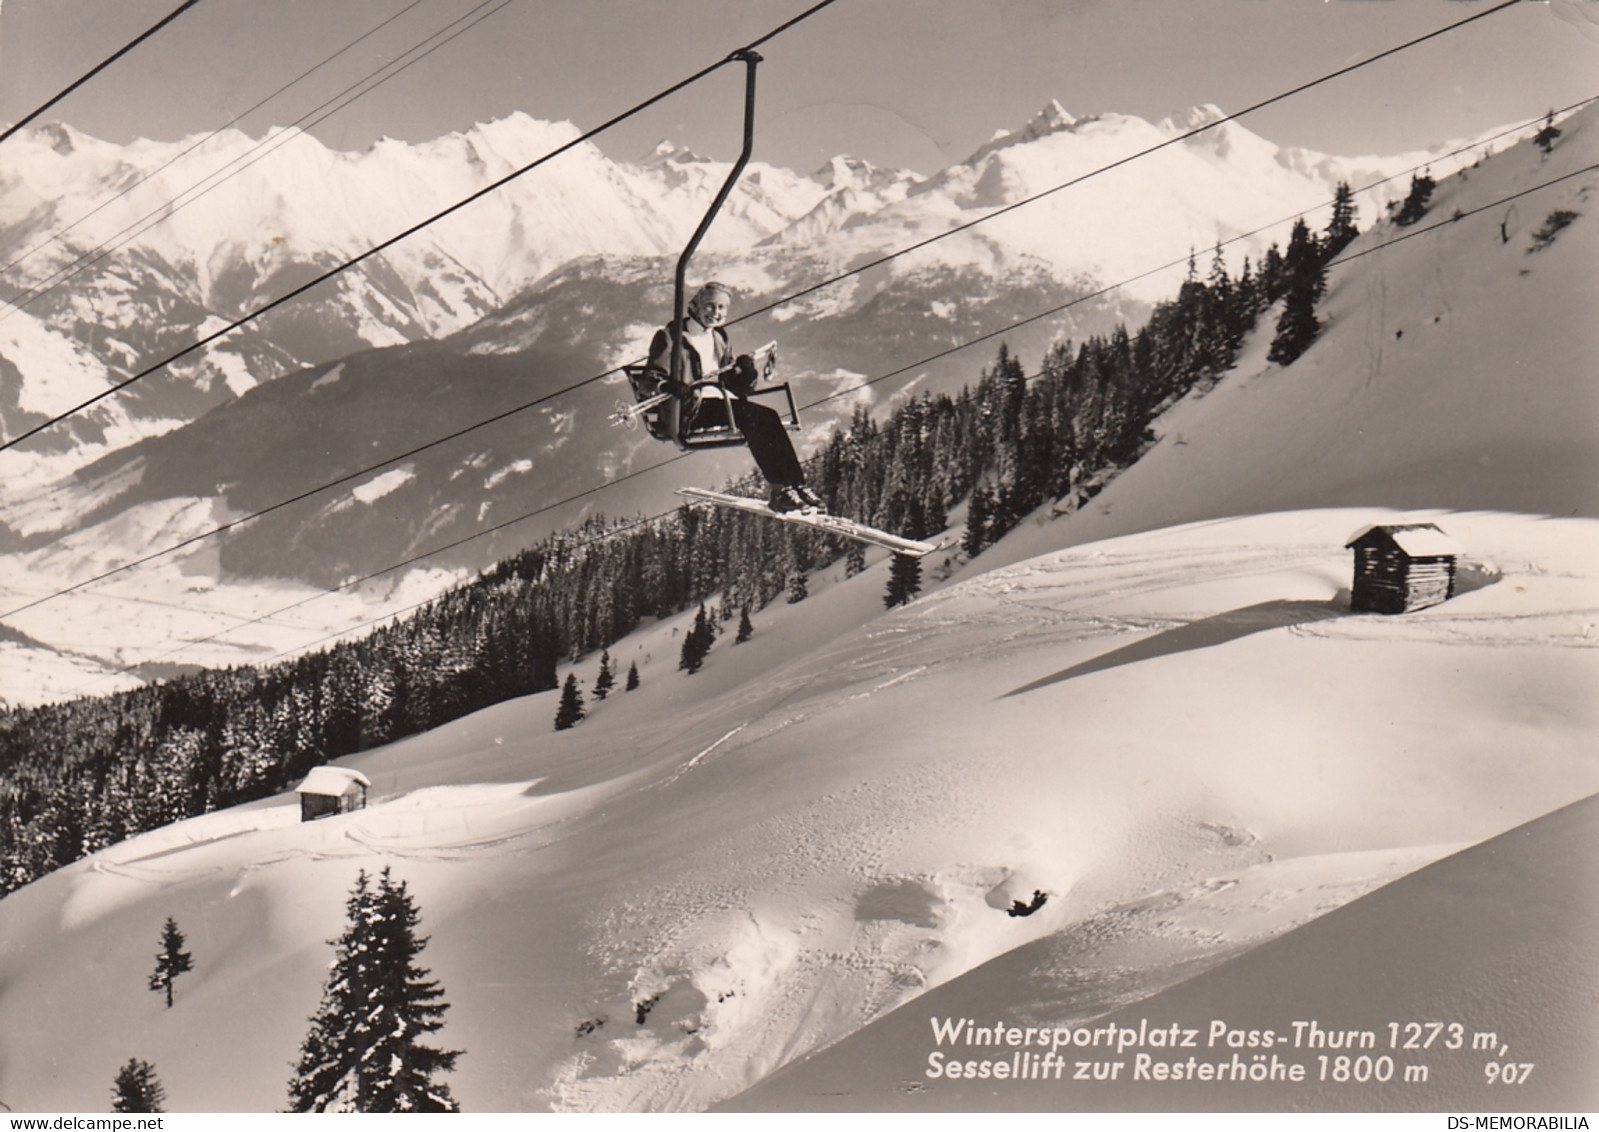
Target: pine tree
(632, 677)
(1307, 280)
(171, 961)
(606, 680)
(1272, 278)
(1545, 138)
(1341, 228)
(1247, 291)
(978, 512)
(1011, 380)
(746, 628)
(904, 580)
(705, 629)
(798, 587)
(697, 643)
(570, 710)
(854, 559)
(1220, 326)
(363, 1052)
(1415, 204)
(137, 1089)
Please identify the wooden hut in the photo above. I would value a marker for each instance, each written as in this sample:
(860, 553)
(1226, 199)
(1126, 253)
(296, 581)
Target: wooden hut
(331, 790)
(1400, 567)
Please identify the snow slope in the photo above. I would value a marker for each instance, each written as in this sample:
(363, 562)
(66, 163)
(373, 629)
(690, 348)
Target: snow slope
(1455, 370)
(1175, 731)
(1419, 948)
(827, 821)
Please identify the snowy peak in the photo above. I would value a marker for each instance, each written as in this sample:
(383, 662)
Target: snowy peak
(668, 152)
(845, 172)
(57, 136)
(677, 166)
(1052, 119)
(855, 190)
(119, 240)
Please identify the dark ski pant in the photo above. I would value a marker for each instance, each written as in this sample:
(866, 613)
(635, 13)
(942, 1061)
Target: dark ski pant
(762, 427)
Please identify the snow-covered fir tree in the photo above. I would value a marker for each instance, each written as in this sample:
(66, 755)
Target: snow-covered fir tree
(1272, 278)
(746, 627)
(606, 680)
(171, 961)
(364, 1051)
(697, 643)
(1306, 273)
(1341, 229)
(1414, 206)
(978, 511)
(632, 677)
(1545, 138)
(137, 1089)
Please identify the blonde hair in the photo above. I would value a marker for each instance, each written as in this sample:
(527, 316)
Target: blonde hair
(711, 288)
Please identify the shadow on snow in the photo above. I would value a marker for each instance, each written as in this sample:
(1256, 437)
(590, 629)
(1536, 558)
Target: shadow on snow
(1203, 634)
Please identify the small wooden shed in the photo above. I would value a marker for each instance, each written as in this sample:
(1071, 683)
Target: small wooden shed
(1400, 567)
(329, 790)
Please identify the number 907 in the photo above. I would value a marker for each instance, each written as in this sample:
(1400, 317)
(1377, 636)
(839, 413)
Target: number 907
(1510, 1073)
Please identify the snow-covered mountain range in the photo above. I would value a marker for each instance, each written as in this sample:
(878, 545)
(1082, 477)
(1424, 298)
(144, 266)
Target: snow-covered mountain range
(1241, 802)
(555, 278)
(117, 256)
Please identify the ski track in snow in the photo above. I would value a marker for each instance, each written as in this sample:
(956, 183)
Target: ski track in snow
(781, 926)
(700, 757)
(762, 963)
(802, 966)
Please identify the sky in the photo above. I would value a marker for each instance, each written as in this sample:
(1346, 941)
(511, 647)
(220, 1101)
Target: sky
(917, 84)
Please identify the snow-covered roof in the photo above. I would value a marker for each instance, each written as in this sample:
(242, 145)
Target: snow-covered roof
(331, 780)
(1419, 540)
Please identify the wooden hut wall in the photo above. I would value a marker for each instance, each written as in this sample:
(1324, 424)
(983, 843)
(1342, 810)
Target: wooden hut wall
(313, 806)
(1429, 581)
(1387, 581)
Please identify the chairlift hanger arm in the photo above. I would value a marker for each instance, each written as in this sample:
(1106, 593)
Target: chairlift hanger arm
(750, 60)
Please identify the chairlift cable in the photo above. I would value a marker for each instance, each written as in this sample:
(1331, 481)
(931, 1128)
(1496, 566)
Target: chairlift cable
(735, 56)
(988, 336)
(235, 120)
(1176, 140)
(732, 57)
(385, 244)
(97, 68)
(834, 396)
(270, 144)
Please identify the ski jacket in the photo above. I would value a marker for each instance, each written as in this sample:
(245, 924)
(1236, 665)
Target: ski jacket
(694, 367)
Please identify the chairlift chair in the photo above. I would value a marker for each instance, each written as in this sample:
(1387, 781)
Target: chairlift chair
(710, 424)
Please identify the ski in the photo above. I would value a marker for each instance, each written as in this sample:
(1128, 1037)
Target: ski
(835, 524)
